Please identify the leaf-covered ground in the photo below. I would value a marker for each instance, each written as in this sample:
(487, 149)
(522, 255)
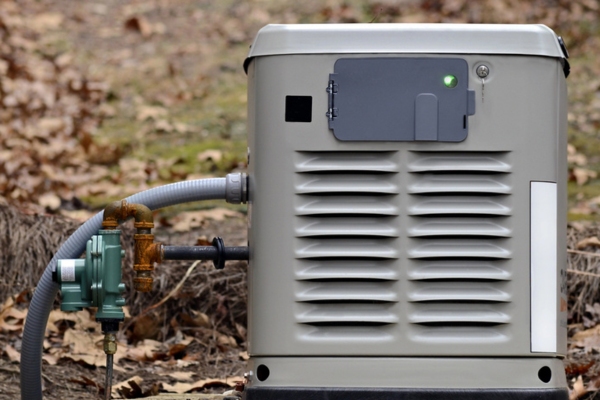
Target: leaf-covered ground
(99, 100)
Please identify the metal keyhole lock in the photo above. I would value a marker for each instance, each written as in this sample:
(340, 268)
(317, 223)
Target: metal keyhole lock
(482, 71)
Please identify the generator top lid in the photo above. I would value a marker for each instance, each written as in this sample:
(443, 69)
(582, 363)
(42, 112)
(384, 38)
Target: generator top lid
(534, 40)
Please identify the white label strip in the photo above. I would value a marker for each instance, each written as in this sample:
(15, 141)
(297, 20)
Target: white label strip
(544, 285)
(67, 270)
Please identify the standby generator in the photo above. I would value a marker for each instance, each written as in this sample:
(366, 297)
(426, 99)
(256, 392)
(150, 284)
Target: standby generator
(407, 212)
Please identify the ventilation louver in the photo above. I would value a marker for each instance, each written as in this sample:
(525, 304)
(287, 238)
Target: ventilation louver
(347, 239)
(460, 231)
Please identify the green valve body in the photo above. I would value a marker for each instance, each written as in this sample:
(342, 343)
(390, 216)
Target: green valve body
(96, 280)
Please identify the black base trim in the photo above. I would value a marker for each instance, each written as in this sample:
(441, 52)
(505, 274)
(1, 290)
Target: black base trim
(301, 393)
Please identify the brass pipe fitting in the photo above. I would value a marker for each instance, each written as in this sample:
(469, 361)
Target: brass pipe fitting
(146, 254)
(119, 211)
(110, 343)
(146, 251)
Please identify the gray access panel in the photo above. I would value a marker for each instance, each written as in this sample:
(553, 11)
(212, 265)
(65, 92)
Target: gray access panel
(400, 99)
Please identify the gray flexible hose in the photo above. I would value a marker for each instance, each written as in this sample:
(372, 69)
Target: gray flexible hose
(45, 293)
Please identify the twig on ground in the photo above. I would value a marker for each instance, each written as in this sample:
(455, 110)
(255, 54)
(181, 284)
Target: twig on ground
(585, 253)
(174, 291)
(574, 271)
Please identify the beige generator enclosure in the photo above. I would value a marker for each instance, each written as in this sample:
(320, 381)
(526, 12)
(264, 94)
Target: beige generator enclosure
(407, 212)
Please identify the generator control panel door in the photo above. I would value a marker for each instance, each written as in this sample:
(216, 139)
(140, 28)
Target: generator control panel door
(400, 99)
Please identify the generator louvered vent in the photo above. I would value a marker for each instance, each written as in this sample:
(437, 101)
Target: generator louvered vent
(460, 230)
(347, 233)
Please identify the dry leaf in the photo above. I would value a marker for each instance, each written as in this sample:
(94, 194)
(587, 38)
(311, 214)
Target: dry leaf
(198, 319)
(203, 241)
(176, 349)
(139, 24)
(85, 381)
(49, 201)
(583, 175)
(186, 362)
(179, 375)
(188, 220)
(125, 384)
(144, 350)
(227, 341)
(146, 327)
(162, 125)
(241, 330)
(12, 354)
(180, 387)
(578, 389)
(213, 155)
(244, 355)
(78, 215)
(87, 347)
(151, 112)
(587, 339)
(573, 157)
(82, 319)
(50, 359)
(588, 242)
(11, 318)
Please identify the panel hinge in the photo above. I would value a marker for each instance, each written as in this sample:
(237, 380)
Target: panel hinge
(332, 89)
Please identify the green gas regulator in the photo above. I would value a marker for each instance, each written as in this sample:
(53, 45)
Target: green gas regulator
(96, 282)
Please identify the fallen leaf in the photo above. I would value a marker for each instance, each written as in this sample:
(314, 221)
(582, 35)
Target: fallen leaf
(583, 175)
(241, 330)
(588, 242)
(12, 354)
(578, 389)
(181, 387)
(198, 319)
(151, 112)
(176, 349)
(11, 318)
(573, 157)
(244, 355)
(144, 350)
(213, 155)
(587, 339)
(162, 125)
(179, 375)
(85, 381)
(78, 215)
(203, 241)
(145, 327)
(50, 359)
(49, 201)
(125, 384)
(185, 362)
(227, 341)
(88, 348)
(188, 220)
(139, 24)
(82, 320)
(46, 21)
(594, 385)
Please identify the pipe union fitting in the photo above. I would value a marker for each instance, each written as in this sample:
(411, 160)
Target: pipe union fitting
(236, 190)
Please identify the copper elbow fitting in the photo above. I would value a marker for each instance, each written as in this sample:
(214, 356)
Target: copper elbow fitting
(119, 211)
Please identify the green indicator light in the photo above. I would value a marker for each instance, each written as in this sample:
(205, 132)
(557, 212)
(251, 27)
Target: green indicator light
(450, 81)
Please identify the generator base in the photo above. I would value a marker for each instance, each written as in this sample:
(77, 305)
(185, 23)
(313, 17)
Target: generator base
(293, 393)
